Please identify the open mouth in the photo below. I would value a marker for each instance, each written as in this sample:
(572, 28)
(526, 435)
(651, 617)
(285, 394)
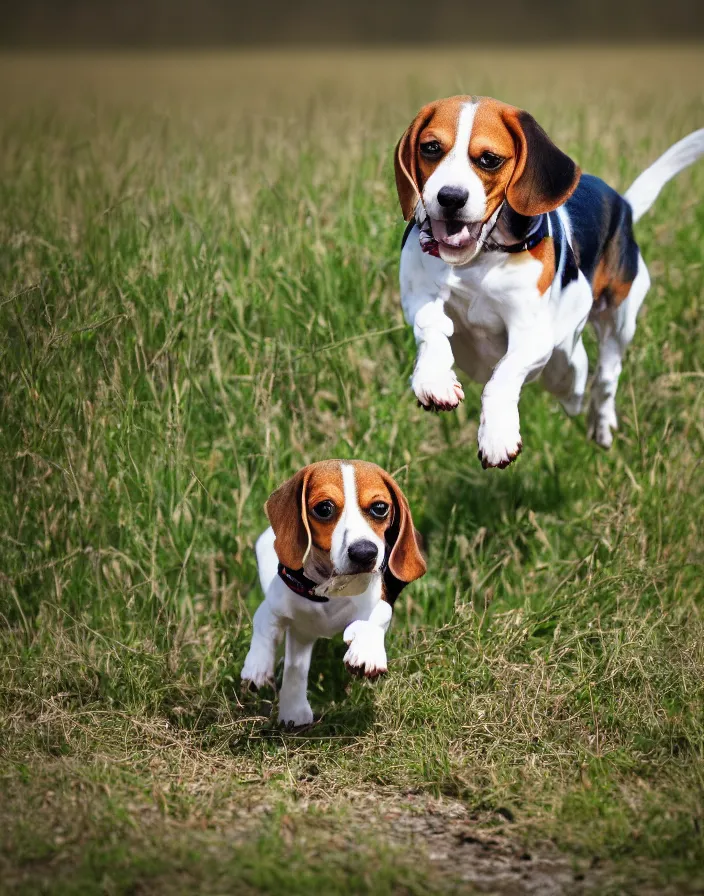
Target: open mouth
(455, 236)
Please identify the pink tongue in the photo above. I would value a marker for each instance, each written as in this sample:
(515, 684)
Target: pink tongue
(449, 233)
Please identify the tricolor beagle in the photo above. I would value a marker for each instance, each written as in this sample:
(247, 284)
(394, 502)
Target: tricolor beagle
(340, 549)
(509, 252)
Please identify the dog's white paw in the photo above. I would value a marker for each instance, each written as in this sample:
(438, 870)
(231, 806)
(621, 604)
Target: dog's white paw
(366, 654)
(601, 424)
(258, 669)
(295, 714)
(499, 438)
(437, 390)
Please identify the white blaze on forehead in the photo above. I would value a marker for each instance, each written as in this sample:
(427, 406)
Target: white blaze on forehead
(455, 170)
(352, 526)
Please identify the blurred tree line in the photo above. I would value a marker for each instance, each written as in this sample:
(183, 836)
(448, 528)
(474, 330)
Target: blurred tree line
(213, 23)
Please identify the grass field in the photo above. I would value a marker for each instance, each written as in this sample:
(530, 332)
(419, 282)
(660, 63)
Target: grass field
(198, 295)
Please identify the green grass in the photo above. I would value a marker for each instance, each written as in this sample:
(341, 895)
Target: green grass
(198, 295)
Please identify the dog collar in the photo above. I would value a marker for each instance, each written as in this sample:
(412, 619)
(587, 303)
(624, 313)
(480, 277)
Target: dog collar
(298, 582)
(521, 247)
(532, 240)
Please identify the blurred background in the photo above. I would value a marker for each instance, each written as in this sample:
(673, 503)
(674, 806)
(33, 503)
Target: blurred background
(217, 23)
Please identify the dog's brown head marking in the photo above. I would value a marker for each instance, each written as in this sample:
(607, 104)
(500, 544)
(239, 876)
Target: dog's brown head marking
(307, 509)
(506, 149)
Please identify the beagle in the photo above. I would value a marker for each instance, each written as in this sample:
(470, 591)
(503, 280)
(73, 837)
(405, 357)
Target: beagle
(340, 548)
(509, 251)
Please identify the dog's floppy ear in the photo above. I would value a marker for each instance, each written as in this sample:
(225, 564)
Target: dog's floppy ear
(406, 165)
(544, 177)
(286, 509)
(406, 562)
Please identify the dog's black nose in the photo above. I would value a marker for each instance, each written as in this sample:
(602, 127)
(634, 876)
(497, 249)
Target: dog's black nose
(452, 197)
(362, 553)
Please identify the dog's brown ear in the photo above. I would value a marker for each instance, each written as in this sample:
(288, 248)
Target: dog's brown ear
(406, 162)
(406, 562)
(544, 177)
(286, 509)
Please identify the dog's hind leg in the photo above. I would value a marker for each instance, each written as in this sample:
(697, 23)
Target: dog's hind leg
(565, 376)
(615, 328)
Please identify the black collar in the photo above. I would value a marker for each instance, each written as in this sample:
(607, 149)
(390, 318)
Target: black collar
(300, 584)
(529, 242)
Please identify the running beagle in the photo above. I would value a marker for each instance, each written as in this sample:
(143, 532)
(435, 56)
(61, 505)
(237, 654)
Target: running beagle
(509, 251)
(340, 549)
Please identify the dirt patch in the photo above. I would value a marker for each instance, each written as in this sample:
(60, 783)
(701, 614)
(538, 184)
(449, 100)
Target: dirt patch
(484, 851)
(481, 851)
(493, 862)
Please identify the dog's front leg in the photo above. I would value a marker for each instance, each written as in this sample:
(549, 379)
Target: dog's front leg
(258, 667)
(294, 708)
(423, 297)
(433, 381)
(367, 654)
(499, 436)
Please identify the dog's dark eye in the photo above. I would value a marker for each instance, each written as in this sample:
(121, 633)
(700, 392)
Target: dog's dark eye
(431, 149)
(324, 510)
(489, 161)
(379, 510)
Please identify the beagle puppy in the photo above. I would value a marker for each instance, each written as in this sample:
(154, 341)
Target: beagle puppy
(340, 548)
(509, 251)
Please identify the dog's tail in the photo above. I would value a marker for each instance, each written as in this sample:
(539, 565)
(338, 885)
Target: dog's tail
(645, 189)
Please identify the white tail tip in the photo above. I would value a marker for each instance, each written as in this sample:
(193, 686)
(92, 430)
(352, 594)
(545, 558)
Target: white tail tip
(645, 189)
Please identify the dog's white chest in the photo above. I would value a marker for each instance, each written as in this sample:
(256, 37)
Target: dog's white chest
(325, 620)
(485, 298)
(494, 286)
